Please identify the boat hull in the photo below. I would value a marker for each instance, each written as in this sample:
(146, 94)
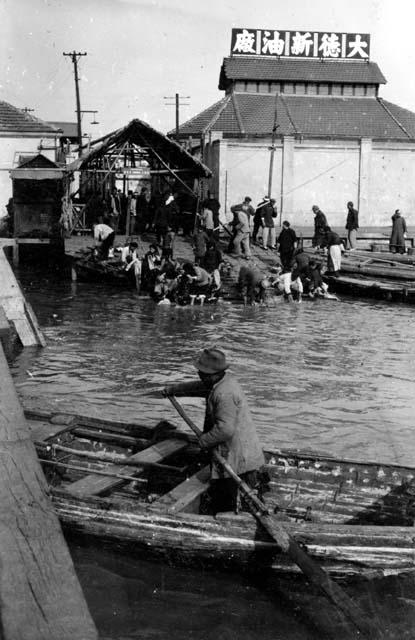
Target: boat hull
(231, 541)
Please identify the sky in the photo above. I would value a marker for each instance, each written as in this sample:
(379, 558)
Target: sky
(141, 51)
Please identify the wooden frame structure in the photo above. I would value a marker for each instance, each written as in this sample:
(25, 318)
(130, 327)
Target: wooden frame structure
(138, 146)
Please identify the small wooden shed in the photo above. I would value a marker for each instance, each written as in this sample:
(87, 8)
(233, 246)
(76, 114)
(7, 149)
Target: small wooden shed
(38, 188)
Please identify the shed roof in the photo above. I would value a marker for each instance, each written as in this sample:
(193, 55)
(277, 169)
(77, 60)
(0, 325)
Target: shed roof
(315, 116)
(37, 167)
(286, 69)
(16, 121)
(160, 149)
(67, 129)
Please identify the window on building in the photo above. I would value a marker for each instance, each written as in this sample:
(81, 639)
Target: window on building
(323, 89)
(336, 89)
(371, 90)
(276, 87)
(251, 87)
(299, 88)
(360, 90)
(311, 88)
(239, 85)
(347, 90)
(288, 87)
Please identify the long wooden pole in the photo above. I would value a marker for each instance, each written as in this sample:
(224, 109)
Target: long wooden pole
(288, 545)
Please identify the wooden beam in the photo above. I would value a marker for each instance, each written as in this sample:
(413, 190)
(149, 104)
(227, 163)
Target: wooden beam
(179, 498)
(39, 591)
(93, 485)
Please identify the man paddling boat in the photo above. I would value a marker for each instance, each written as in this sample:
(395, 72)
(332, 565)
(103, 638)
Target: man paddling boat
(228, 427)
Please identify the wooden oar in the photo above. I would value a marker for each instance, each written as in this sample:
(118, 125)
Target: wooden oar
(288, 545)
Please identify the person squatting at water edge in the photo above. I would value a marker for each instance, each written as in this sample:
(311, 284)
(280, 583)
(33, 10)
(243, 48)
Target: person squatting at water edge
(104, 237)
(253, 284)
(228, 429)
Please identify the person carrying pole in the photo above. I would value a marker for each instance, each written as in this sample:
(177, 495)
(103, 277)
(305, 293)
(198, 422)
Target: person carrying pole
(228, 427)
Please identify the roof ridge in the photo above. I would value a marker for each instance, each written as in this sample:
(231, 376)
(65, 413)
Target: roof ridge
(394, 118)
(213, 121)
(188, 122)
(237, 114)
(290, 118)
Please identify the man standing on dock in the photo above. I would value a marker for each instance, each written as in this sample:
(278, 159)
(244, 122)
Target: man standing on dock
(352, 225)
(320, 224)
(228, 427)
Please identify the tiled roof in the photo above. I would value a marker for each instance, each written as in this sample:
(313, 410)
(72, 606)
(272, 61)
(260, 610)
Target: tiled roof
(69, 129)
(257, 68)
(14, 120)
(204, 119)
(405, 118)
(324, 116)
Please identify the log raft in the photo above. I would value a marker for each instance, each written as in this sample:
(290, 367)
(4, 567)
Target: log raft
(39, 591)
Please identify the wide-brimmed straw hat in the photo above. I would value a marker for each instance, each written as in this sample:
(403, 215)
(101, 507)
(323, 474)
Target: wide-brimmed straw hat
(211, 360)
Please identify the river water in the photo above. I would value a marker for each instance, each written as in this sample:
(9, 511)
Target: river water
(323, 375)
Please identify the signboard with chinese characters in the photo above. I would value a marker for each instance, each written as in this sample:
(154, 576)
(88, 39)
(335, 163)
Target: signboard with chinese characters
(136, 173)
(300, 44)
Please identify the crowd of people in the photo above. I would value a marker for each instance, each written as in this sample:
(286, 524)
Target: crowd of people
(168, 279)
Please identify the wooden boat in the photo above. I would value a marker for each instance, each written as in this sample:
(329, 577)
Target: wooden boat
(141, 485)
(88, 267)
(381, 289)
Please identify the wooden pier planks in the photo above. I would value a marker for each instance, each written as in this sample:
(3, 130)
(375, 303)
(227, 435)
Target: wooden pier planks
(14, 304)
(39, 591)
(94, 485)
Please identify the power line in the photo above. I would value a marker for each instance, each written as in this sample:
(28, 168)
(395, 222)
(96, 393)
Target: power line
(74, 57)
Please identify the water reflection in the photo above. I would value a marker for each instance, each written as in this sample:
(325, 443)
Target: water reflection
(329, 376)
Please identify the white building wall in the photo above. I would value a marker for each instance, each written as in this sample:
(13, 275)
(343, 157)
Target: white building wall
(10, 149)
(247, 172)
(392, 182)
(326, 173)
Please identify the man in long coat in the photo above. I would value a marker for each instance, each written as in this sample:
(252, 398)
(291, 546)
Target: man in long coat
(320, 224)
(228, 426)
(397, 241)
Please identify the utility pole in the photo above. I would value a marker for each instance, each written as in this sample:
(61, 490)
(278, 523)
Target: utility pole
(272, 147)
(177, 104)
(74, 56)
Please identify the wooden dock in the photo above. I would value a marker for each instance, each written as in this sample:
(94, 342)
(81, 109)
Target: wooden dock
(13, 304)
(41, 598)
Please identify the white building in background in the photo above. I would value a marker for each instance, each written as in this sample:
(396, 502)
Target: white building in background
(335, 138)
(21, 135)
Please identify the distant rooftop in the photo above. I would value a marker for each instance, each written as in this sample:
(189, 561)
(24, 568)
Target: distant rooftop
(285, 69)
(251, 114)
(16, 121)
(69, 129)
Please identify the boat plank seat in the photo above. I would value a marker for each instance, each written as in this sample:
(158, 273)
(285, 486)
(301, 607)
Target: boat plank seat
(186, 492)
(95, 485)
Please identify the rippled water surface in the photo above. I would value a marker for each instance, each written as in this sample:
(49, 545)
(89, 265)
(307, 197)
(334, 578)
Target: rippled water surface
(323, 375)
